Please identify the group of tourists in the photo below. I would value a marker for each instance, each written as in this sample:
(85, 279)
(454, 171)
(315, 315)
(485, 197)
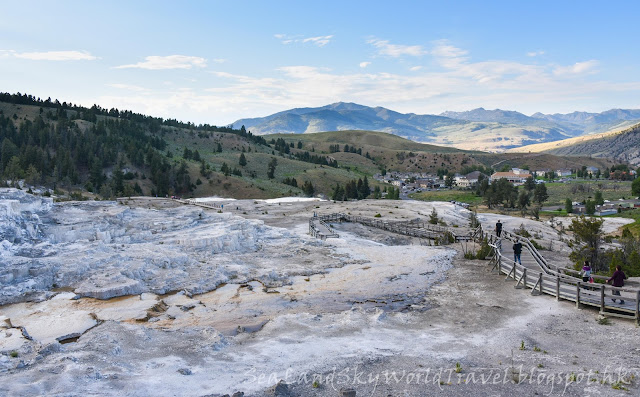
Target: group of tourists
(617, 278)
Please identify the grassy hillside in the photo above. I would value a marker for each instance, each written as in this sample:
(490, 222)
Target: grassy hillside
(385, 150)
(369, 139)
(621, 144)
(111, 153)
(539, 161)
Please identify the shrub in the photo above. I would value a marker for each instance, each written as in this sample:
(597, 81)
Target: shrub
(536, 245)
(433, 217)
(521, 231)
(484, 250)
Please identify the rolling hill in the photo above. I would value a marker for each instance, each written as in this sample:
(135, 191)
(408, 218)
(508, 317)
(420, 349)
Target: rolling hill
(102, 153)
(478, 129)
(620, 144)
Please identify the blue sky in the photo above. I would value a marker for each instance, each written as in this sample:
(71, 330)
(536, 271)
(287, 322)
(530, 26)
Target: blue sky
(215, 62)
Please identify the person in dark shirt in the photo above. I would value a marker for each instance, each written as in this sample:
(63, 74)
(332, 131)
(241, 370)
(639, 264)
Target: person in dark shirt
(517, 250)
(586, 272)
(618, 278)
(498, 228)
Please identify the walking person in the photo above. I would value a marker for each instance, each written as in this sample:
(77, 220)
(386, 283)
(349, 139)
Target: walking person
(498, 228)
(586, 272)
(517, 251)
(618, 278)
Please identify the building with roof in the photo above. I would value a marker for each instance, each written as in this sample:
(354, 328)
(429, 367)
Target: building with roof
(516, 179)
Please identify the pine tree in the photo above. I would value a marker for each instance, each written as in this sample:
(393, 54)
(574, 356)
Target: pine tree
(272, 168)
(376, 192)
(338, 193)
(243, 160)
(366, 190)
(599, 200)
(568, 206)
(308, 189)
(433, 217)
(540, 194)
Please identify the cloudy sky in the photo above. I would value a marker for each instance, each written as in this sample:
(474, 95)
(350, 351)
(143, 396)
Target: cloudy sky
(218, 61)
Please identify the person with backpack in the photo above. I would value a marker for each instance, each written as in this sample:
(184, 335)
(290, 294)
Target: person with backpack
(618, 278)
(498, 228)
(517, 251)
(586, 272)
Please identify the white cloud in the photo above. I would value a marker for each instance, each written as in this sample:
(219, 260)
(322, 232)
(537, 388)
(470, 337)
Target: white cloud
(167, 62)
(460, 83)
(364, 64)
(128, 87)
(396, 50)
(319, 41)
(448, 55)
(535, 53)
(51, 55)
(577, 68)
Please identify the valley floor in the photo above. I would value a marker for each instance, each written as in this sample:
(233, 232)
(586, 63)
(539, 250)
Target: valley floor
(152, 297)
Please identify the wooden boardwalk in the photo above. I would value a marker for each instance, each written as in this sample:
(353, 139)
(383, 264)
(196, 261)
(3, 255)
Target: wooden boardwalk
(320, 229)
(443, 235)
(544, 278)
(535, 272)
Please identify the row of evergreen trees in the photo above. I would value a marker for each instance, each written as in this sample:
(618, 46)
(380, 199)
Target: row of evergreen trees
(503, 192)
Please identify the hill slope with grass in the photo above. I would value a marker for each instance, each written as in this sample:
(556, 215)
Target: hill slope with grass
(105, 153)
(622, 145)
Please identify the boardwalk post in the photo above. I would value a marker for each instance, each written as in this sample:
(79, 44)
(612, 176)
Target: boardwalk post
(578, 295)
(602, 298)
(557, 288)
(537, 287)
(513, 270)
(522, 278)
(638, 307)
(540, 282)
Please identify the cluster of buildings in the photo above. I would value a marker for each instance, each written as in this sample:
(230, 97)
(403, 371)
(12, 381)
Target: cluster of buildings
(415, 182)
(609, 207)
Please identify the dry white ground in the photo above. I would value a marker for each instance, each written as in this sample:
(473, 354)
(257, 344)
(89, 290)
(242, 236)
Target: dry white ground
(208, 303)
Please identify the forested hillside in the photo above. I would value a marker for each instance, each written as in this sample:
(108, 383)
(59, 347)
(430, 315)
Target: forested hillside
(106, 153)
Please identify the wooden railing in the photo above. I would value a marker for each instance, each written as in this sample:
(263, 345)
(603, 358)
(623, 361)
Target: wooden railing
(315, 226)
(552, 280)
(408, 228)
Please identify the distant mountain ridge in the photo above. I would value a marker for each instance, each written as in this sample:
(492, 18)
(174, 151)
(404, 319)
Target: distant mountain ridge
(479, 129)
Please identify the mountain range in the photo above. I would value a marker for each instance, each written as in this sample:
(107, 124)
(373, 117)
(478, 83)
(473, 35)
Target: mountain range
(478, 129)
